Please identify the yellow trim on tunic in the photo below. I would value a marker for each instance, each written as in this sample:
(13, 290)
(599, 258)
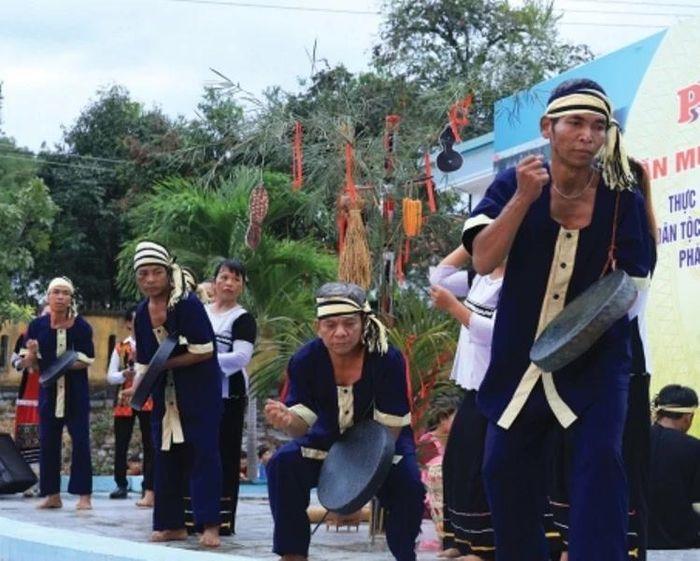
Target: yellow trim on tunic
(61, 344)
(172, 426)
(476, 221)
(313, 453)
(303, 412)
(560, 273)
(85, 359)
(202, 349)
(393, 421)
(346, 407)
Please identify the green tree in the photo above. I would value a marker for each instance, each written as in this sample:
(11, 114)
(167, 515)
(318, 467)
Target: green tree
(115, 150)
(202, 225)
(495, 49)
(26, 216)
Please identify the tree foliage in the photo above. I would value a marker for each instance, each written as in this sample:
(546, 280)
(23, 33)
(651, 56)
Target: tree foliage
(115, 150)
(26, 216)
(491, 46)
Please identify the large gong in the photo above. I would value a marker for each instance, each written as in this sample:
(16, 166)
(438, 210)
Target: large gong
(57, 368)
(356, 467)
(582, 322)
(155, 367)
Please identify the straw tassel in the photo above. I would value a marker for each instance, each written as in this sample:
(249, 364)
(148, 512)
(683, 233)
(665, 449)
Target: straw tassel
(355, 260)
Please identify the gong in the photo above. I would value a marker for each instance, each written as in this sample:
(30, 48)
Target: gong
(57, 368)
(152, 374)
(356, 467)
(582, 322)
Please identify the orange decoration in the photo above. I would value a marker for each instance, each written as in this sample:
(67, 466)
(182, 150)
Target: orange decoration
(391, 126)
(459, 116)
(412, 217)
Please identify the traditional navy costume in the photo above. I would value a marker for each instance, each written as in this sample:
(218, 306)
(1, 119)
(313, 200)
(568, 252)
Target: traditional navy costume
(186, 406)
(380, 393)
(65, 403)
(548, 266)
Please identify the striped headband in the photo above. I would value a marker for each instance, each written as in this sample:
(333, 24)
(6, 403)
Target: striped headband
(65, 282)
(330, 306)
(612, 156)
(61, 282)
(374, 336)
(676, 408)
(151, 253)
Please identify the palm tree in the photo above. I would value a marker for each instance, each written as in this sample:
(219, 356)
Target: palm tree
(202, 225)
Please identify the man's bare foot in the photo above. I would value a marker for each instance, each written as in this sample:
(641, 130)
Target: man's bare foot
(210, 536)
(169, 535)
(147, 500)
(449, 553)
(84, 503)
(293, 558)
(51, 501)
(564, 556)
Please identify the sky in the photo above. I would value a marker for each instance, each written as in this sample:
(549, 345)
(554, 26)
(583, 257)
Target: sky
(56, 54)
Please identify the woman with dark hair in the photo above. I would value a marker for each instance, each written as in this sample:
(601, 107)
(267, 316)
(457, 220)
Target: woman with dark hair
(675, 471)
(235, 331)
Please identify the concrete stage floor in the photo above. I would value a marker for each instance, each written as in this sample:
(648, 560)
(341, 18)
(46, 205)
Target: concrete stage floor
(116, 530)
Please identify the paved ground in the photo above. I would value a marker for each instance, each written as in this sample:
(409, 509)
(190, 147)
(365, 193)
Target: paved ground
(121, 519)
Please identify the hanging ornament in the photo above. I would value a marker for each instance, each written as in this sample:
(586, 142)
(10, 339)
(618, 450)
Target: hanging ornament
(258, 205)
(412, 217)
(355, 260)
(459, 116)
(388, 206)
(429, 183)
(391, 127)
(297, 158)
(448, 160)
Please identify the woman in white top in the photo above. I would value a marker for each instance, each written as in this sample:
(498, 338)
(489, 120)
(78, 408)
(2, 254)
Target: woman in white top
(235, 330)
(467, 525)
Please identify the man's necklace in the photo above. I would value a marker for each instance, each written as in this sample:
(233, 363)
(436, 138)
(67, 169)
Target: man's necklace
(577, 195)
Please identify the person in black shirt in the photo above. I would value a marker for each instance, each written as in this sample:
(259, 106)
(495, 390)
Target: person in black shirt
(675, 471)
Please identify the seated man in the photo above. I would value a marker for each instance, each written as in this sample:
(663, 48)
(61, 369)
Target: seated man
(675, 471)
(346, 375)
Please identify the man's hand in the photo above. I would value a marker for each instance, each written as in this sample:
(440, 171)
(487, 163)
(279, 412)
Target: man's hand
(442, 298)
(32, 348)
(278, 414)
(532, 176)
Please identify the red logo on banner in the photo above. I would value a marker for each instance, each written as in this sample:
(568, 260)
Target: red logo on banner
(689, 103)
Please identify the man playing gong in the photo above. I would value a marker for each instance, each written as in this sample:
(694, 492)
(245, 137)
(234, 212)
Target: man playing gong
(346, 375)
(561, 226)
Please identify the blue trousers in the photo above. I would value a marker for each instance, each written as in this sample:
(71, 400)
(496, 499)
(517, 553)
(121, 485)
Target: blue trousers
(290, 478)
(516, 471)
(77, 420)
(194, 465)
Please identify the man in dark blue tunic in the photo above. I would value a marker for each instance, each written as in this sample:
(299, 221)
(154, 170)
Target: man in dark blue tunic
(348, 374)
(186, 399)
(561, 226)
(67, 401)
